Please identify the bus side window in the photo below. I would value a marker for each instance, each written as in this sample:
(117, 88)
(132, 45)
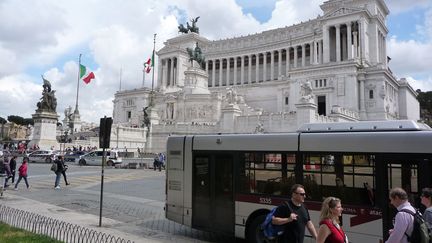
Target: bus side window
(266, 173)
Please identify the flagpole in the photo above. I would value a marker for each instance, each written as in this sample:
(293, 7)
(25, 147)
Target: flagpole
(78, 79)
(153, 61)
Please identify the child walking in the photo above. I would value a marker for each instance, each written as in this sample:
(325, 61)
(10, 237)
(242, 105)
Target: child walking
(22, 173)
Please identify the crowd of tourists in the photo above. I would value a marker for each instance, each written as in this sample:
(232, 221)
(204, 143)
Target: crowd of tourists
(294, 218)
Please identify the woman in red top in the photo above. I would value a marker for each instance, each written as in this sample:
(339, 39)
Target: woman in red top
(22, 172)
(330, 231)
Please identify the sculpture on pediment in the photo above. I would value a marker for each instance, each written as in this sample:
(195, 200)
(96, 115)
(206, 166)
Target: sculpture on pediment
(183, 29)
(196, 55)
(189, 28)
(48, 102)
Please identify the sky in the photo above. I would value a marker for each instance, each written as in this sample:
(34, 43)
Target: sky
(115, 38)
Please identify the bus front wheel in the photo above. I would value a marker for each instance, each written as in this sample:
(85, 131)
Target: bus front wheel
(254, 232)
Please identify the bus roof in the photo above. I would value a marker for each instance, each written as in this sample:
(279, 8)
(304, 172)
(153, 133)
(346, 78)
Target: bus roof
(364, 126)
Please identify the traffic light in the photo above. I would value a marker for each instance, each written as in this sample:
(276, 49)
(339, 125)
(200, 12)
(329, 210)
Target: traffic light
(105, 132)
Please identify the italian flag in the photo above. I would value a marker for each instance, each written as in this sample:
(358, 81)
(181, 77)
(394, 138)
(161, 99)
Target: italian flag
(85, 75)
(149, 64)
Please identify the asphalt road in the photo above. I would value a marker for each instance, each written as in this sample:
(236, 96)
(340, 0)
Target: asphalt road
(134, 197)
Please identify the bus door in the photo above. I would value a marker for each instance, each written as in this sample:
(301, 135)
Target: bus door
(213, 196)
(407, 172)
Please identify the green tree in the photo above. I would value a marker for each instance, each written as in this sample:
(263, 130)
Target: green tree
(425, 100)
(28, 121)
(20, 120)
(2, 122)
(16, 119)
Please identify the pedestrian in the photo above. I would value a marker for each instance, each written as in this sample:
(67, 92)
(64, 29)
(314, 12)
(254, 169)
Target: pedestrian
(161, 159)
(22, 174)
(156, 162)
(403, 221)
(65, 167)
(12, 164)
(330, 230)
(59, 171)
(426, 200)
(6, 166)
(295, 216)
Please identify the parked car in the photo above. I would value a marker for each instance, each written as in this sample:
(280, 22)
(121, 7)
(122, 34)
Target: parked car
(46, 156)
(95, 158)
(73, 156)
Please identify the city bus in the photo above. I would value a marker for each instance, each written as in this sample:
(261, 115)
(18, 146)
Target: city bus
(227, 183)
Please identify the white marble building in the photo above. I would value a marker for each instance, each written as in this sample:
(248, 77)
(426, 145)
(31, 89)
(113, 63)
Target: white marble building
(329, 69)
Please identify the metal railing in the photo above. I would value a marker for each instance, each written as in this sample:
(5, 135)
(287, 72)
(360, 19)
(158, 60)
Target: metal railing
(56, 229)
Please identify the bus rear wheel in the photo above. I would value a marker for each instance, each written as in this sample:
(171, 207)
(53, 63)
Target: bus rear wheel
(110, 163)
(254, 232)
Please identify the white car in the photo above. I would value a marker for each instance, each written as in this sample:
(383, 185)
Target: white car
(95, 158)
(44, 156)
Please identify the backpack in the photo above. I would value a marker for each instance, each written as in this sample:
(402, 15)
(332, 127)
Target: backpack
(271, 231)
(421, 232)
(54, 167)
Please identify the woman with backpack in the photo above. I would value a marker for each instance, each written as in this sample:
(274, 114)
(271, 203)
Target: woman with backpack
(22, 174)
(330, 230)
(426, 200)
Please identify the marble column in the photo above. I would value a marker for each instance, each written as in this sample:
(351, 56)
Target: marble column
(287, 68)
(279, 63)
(161, 82)
(361, 79)
(315, 52)
(265, 66)
(242, 69)
(326, 44)
(295, 56)
(220, 72)
(272, 63)
(249, 69)
(311, 52)
(213, 72)
(165, 72)
(257, 67)
(303, 55)
(235, 71)
(172, 71)
(349, 41)
(228, 81)
(338, 44)
(355, 44)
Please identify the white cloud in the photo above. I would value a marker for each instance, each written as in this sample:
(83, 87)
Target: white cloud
(399, 6)
(423, 85)
(410, 57)
(289, 12)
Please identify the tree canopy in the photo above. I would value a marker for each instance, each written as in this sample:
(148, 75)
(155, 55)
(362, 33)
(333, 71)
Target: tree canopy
(20, 120)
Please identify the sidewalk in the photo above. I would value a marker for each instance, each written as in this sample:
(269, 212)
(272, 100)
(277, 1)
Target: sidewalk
(85, 220)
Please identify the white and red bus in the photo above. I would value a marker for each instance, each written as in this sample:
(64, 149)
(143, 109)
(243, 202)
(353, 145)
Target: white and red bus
(228, 183)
